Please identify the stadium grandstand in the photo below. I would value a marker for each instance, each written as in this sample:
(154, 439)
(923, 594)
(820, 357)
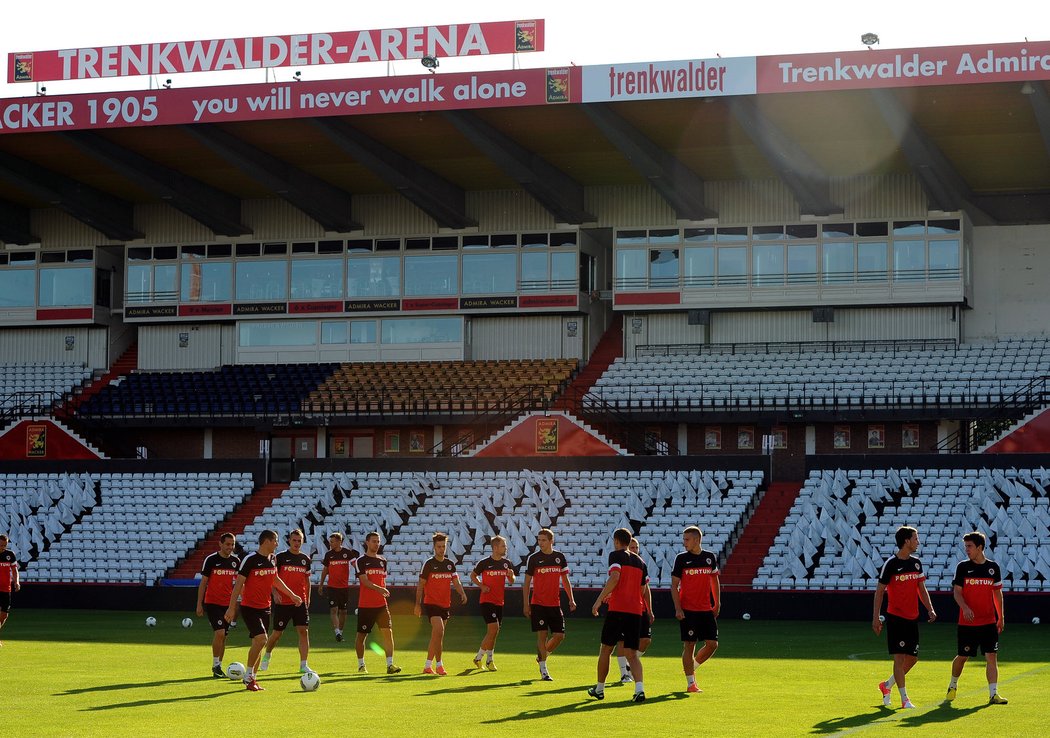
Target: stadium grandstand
(797, 312)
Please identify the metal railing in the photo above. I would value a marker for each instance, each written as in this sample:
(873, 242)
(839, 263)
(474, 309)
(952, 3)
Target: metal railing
(20, 404)
(612, 422)
(893, 346)
(513, 404)
(973, 434)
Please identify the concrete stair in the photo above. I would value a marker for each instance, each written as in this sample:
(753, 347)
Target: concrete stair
(609, 348)
(758, 536)
(124, 365)
(1012, 429)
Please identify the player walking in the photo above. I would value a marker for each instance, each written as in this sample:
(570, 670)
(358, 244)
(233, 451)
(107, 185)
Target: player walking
(978, 590)
(697, 596)
(257, 578)
(492, 575)
(645, 628)
(293, 567)
(902, 581)
(434, 598)
(546, 571)
(625, 591)
(372, 606)
(218, 575)
(337, 564)
(9, 581)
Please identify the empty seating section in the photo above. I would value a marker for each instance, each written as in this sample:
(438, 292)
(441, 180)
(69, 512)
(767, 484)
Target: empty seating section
(841, 528)
(144, 523)
(48, 379)
(37, 509)
(971, 373)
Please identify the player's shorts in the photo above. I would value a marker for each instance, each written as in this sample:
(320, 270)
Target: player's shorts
(338, 597)
(296, 615)
(621, 626)
(255, 620)
(698, 625)
(902, 635)
(645, 628)
(217, 617)
(5, 602)
(436, 611)
(491, 612)
(972, 637)
(369, 617)
(547, 618)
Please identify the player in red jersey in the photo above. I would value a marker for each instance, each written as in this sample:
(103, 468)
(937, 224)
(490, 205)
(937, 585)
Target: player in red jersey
(645, 629)
(625, 592)
(9, 581)
(903, 582)
(293, 567)
(546, 572)
(337, 564)
(978, 590)
(218, 575)
(372, 606)
(434, 598)
(492, 575)
(255, 582)
(697, 596)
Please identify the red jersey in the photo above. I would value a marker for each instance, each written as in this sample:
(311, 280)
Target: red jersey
(697, 575)
(222, 574)
(979, 584)
(437, 579)
(294, 570)
(902, 577)
(546, 571)
(374, 567)
(339, 564)
(8, 567)
(259, 572)
(627, 594)
(493, 574)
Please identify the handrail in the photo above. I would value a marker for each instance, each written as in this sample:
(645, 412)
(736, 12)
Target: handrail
(796, 347)
(519, 400)
(612, 422)
(975, 433)
(30, 402)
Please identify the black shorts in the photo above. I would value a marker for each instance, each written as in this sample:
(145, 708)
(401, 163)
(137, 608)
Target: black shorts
(902, 635)
(255, 620)
(338, 598)
(297, 615)
(645, 627)
(621, 626)
(369, 617)
(698, 626)
(972, 637)
(436, 611)
(547, 618)
(491, 612)
(5, 602)
(217, 617)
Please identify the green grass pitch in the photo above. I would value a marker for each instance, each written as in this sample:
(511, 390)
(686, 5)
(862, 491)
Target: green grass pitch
(105, 673)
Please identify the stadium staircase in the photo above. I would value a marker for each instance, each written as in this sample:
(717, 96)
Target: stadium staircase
(125, 364)
(758, 537)
(238, 519)
(609, 348)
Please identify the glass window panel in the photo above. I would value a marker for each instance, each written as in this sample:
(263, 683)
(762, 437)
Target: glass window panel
(3, 258)
(664, 235)
(909, 227)
(206, 282)
(501, 240)
(534, 270)
(248, 249)
(17, 288)
(631, 237)
(445, 243)
(535, 239)
(767, 233)
(61, 287)
(944, 259)
(417, 244)
(378, 276)
(261, 280)
(909, 260)
(274, 249)
(359, 246)
(283, 333)
(330, 247)
(935, 227)
(802, 263)
(564, 270)
(767, 265)
(80, 256)
(700, 266)
(362, 331)
(805, 230)
(166, 252)
(431, 275)
(699, 235)
(164, 281)
(423, 330)
(489, 274)
(738, 233)
(334, 331)
(631, 269)
(140, 253)
(838, 263)
(878, 228)
(139, 288)
(388, 244)
(732, 266)
(220, 251)
(475, 242)
(304, 247)
(317, 278)
(23, 258)
(195, 251)
(52, 257)
(663, 268)
(563, 239)
(837, 230)
(872, 262)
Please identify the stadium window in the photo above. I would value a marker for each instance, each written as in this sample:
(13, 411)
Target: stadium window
(206, 282)
(140, 253)
(767, 265)
(631, 269)
(802, 263)
(431, 275)
(378, 276)
(767, 233)
(944, 259)
(80, 256)
(871, 261)
(732, 266)
(139, 287)
(504, 240)
(699, 266)
(261, 280)
(334, 332)
(23, 258)
(359, 246)
(909, 227)
(52, 257)
(664, 235)
(535, 239)
(17, 288)
(736, 233)
(699, 235)
(330, 247)
(165, 253)
(877, 229)
(837, 230)
(663, 268)
(942, 227)
(563, 240)
(564, 271)
(422, 330)
(316, 278)
(837, 265)
(631, 238)
(444, 243)
(164, 281)
(246, 250)
(909, 261)
(3, 259)
(417, 244)
(61, 287)
(220, 251)
(388, 244)
(804, 230)
(277, 333)
(535, 271)
(274, 249)
(195, 251)
(475, 242)
(304, 247)
(362, 331)
(489, 274)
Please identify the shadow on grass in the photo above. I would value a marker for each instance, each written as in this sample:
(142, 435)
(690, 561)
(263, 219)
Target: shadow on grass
(943, 713)
(581, 708)
(135, 685)
(163, 701)
(480, 687)
(834, 725)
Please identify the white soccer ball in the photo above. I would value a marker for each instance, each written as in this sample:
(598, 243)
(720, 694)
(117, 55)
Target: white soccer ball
(187, 623)
(747, 616)
(1035, 621)
(151, 622)
(310, 681)
(235, 671)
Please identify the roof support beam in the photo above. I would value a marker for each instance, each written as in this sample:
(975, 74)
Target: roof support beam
(325, 203)
(557, 192)
(435, 196)
(676, 183)
(110, 216)
(795, 168)
(14, 225)
(214, 209)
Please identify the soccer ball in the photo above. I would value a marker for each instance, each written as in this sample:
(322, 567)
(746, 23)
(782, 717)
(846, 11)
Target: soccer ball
(1035, 621)
(187, 623)
(747, 616)
(310, 681)
(151, 622)
(235, 670)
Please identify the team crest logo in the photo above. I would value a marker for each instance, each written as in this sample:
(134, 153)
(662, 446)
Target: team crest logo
(902, 644)
(525, 36)
(23, 67)
(965, 648)
(691, 633)
(558, 85)
(547, 436)
(992, 572)
(542, 622)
